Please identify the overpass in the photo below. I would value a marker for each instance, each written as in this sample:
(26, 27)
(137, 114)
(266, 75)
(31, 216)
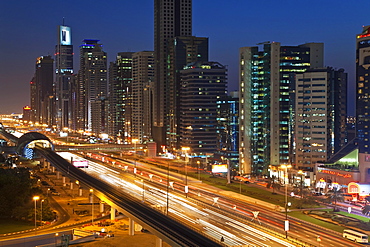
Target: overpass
(165, 228)
(35, 144)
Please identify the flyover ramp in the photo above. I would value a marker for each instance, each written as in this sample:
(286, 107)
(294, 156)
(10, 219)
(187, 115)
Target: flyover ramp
(167, 229)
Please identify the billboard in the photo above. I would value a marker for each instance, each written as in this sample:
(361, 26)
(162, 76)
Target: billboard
(219, 168)
(81, 163)
(65, 35)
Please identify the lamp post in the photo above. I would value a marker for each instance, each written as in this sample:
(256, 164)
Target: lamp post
(35, 198)
(285, 167)
(56, 238)
(198, 163)
(186, 149)
(301, 173)
(135, 141)
(41, 212)
(92, 206)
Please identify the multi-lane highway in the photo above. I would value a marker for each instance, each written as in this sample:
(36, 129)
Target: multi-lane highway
(234, 208)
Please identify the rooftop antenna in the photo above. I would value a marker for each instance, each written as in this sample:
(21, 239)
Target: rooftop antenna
(63, 21)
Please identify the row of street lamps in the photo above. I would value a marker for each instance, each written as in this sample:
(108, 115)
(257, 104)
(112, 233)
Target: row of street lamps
(36, 198)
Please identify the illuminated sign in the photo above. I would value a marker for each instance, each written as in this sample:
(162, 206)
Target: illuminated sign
(219, 168)
(65, 35)
(26, 108)
(346, 175)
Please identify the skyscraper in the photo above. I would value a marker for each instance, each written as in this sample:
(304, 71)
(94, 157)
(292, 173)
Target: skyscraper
(172, 18)
(120, 97)
(92, 79)
(64, 93)
(265, 109)
(142, 85)
(320, 115)
(181, 52)
(203, 87)
(42, 87)
(363, 90)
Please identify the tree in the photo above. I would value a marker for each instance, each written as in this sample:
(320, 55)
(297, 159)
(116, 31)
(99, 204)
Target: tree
(335, 195)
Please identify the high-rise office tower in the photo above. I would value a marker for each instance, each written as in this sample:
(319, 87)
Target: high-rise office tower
(64, 93)
(265, 109)
(92, 80)
(43, 91)
(120, 97)
(228, 131)
(172, 18)
(320, 115)
(142, 84)
(33, 100)
(203, 86)
(181, 52)
(363, 91)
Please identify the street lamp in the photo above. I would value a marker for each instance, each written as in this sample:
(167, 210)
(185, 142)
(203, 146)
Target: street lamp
(198, 163)
(286, 198)
(41, 211)
(92, 206)
(135, 141)
(186, 149)
(301, 173)
(35, 198)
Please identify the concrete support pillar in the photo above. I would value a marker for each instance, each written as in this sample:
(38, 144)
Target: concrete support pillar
(64, 180)
(112, 213)
(71, 185)
(101, 207)
(53, 169)
(80, 192)
(48, 164)
(131, 227)
(158, 242)
(58, 175)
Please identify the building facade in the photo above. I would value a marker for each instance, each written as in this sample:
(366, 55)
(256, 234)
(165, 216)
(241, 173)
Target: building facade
(172, 18)
(265, 109)
(92, 83)
(120, 97)
(203, 87)
(181, 52)
(42, 88)
(142, 94)
(320, 116)
(64, 81)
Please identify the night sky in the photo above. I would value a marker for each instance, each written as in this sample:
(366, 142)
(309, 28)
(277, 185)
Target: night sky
(29, 29)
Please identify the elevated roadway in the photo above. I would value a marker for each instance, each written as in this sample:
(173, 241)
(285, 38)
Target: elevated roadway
(165, 228)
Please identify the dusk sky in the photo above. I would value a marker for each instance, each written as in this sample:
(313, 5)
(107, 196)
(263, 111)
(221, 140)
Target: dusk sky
(29, 30)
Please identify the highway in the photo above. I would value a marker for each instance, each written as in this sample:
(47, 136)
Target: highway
(231, 205)
(171, 231)
(207, 219)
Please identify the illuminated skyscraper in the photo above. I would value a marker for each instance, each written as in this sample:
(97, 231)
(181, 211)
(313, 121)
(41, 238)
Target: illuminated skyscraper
(64, 93)
(266, 113)
(203, 90)
(320, 116)
(43, 90)
(142, 84)
(363, 91)
(172, 18)
(92, 80)
(181, 52)
(120, 97)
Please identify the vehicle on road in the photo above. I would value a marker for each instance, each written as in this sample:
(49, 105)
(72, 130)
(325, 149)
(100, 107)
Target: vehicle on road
(358, 237)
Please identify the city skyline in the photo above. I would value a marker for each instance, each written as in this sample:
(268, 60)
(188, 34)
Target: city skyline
(30, 31)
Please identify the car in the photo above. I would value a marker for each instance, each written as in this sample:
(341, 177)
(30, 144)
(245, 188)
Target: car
(55, 193)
